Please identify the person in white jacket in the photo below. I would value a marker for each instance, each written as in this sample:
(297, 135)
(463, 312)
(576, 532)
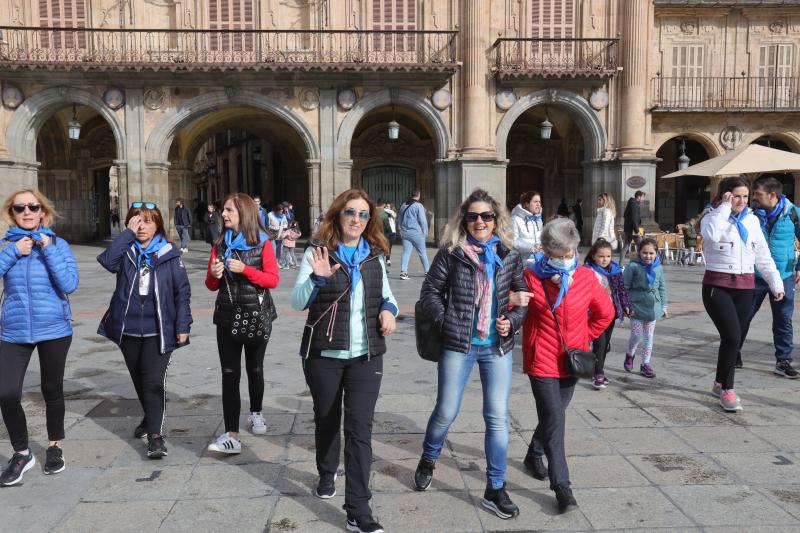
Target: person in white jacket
(604, 221)
(527, 222)
(733, 244)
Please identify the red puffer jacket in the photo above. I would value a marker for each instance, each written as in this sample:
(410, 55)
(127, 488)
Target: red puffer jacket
(585, 312)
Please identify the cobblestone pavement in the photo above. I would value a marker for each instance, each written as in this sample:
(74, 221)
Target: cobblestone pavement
(643, 454)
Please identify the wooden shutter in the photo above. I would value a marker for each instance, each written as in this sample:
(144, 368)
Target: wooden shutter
(775, 70)
(687, 75)
(394, 15)
(554, 19)
(231, 15)
(63, 14)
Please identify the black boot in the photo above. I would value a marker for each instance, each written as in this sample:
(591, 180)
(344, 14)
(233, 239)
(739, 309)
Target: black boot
(566, 501)
(141, 429)
(498, 502)
(155, 446)
(535, 465)
(424, 474)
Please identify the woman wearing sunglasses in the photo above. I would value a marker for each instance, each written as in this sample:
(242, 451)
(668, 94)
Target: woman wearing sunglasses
(149, 315)
(466, 294)
(242, 267)
(351, 310)
(38, 272)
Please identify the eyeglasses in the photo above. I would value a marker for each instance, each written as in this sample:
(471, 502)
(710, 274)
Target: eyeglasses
(148, 205)
(352, 213)
(486, 216)
(20, 208)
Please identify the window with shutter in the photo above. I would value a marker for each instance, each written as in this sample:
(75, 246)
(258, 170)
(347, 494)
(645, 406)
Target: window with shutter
(394, 15)
(686, 82)
(775, 69)
(63, 14)
(554, 19)
(231, 15)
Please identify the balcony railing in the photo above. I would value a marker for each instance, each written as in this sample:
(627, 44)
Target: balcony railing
(555, 57)
(89, 48)
(726, 93)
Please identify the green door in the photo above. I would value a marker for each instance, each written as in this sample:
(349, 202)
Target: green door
(390, 184)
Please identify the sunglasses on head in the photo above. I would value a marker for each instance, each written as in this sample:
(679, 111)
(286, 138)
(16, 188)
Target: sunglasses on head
(148, 205)
(486, 216)
(20, 208)
(352, 213)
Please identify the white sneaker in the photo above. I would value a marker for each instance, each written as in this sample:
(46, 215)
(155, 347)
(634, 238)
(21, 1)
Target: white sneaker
(258, 426)
(225, 444)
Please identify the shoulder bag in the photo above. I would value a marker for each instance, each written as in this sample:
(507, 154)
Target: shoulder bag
(580, 363)
(247, 326)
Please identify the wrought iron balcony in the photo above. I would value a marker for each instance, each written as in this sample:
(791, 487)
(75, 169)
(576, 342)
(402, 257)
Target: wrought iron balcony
(516, 57)
(139, 49)
(726, 93)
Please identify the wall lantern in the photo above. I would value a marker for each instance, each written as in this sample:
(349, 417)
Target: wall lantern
(683, 159)
(546, 127)
(74, 126)
(394, 130)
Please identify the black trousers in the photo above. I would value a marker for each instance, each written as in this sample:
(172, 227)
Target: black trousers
(14, 359)
(358, 383)
(230, 358)
(552, 397)
(148, 370)
(600, 347)
(730, 311)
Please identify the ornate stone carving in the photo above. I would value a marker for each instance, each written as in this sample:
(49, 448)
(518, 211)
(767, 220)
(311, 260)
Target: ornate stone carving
(309, 99)
(777, 26)
(689, 27)
(346, 99)
(114, 98)
(504, 99)
(730, 137)
(12, 96)
(230, 92)
(153, 98)
(441, 99)
(598, 99)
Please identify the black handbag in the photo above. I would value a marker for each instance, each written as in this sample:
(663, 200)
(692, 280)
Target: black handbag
(429, 344)
(249, 326)
(580, 363)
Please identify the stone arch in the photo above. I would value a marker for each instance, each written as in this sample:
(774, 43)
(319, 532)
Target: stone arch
(399, 97)
(592, 130)
(160, 139)
(792, 140)
(706, 141)
(28, 119)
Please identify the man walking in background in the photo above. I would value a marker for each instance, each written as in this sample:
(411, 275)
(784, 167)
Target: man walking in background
(632, 223)
(413, 229)
(183, 221)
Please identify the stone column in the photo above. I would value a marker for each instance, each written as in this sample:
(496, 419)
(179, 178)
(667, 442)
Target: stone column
(135, 143)
(332, 178)
(474, 75)
(313, 167)
(796, 199)
(155, 188)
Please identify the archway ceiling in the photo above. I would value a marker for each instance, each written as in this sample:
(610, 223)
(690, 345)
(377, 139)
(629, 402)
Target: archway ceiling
(407, 119)
(563, 122)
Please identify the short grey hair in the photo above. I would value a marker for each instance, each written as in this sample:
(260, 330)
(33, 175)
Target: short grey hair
(560, 234)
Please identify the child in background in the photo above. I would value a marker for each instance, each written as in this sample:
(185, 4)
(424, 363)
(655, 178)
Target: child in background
(609, 274)
(689, 241)
(290, 237)
(644, 281)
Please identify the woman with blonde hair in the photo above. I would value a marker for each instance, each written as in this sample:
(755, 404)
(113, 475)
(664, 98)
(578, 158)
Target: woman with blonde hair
(38, 271)
(604, 220)
(466, 295)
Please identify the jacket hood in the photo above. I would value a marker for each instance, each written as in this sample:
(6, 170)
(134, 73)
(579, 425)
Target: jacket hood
(520, 211)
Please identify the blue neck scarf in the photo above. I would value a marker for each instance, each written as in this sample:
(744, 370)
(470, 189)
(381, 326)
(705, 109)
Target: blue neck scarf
(739, 221)
(489, 251)
(769, 218)
(14, 233)
(353, 262)
(533, 218)
(238, 243)
(651, 269)
(545, 270)
(149, 254)
(612, 270)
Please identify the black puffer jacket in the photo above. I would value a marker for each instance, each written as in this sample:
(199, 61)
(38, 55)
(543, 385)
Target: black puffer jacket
(448, 296)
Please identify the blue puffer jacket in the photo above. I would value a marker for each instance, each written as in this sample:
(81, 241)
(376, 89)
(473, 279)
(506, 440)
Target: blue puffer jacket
(35, 304)
(781, 240)
(172, 291)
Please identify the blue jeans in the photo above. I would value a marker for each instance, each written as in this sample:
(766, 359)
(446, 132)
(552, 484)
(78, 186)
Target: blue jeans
(781, 316)
(183, 233)
(416, 241)
(454, 371)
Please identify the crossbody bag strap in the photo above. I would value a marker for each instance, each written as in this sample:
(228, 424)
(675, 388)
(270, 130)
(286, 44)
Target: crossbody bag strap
(330, 307)
(555, 316)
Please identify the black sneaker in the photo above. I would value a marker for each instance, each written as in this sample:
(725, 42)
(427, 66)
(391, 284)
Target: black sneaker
(535, 465)
(498, 502)
(17, 466)
(784, 368)
(54, 461)
(155, 446)
(566, 501)
(141, 430)
(423, 477)
(363, 524)
(326, 488)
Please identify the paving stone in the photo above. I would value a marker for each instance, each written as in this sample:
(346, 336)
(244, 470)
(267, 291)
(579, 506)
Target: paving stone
(724, 439)
(21, 516)
(688, 416)
(307, 514)
(427, 511)
(145, 482)
(603, 471)
(639, 507)
(644, 440)
(220, 514)
(181, 451)
(228, 481)
(619, 417)
(115, 517)
(787, 497)
(728, 505)
(773, 467)
(680, 469)
(786, 438)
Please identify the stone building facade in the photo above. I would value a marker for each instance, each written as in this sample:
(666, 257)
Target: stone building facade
(293, 99)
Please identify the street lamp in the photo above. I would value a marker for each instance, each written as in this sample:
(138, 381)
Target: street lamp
(394, 130)
(74, 126)
(683, 159)
(546, 127)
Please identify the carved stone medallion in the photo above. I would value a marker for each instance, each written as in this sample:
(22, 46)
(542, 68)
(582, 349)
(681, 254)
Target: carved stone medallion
(12, 96)
(598, 99)
(153, 98)
(114, 98)
(346, 99)
(505, 98)
(309, 99)
(730, 137)
(688, 27)
(441, 99)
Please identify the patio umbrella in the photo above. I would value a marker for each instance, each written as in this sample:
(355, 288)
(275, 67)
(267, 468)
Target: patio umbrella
(752, 159)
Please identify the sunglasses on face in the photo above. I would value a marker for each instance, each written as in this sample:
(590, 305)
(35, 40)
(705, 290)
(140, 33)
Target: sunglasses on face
(148, 205)
(20, 208)
(486, 216)
(352, 213)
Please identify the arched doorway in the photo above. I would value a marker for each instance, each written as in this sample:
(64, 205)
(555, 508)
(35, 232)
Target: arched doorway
(678, 199)
(787, 180)
(390, 184)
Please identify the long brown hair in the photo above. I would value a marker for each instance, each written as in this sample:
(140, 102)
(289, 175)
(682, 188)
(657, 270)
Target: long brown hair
(249, 221)
(153, 215)
(330, 233)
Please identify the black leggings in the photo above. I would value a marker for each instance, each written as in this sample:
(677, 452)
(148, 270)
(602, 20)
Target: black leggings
(729, 309)
(14, 359)
(148, 369)
(230, 358)
(600, 347)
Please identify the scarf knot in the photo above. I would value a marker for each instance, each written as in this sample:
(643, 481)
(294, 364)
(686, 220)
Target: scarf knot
(353, 261)
(238, 242)
(533, 218)
(544, 270)
(485, 268)
(15, 234)
(769, 217)
(148, 254)
(650, 269)
(738, 220)
(612, 270)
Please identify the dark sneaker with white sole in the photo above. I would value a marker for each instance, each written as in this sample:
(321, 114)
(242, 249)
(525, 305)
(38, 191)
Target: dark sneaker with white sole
(141, 430)
(566, 501)
(17, 466)
(535, 465)
(363, 524)
(54, 461)
(498, 502)
(156, 449)
(326, 488)
(784, 368)
(423, 477)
